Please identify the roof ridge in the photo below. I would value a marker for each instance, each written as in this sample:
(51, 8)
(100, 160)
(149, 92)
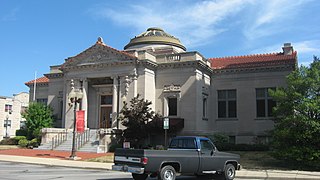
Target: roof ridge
(248, 56)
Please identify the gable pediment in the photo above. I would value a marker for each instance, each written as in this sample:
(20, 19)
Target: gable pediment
(98, 54)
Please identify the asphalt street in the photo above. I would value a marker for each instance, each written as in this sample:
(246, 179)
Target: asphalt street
(22, 171)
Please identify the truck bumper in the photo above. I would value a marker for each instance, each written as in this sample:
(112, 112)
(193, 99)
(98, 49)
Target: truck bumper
(239, 167)
(125, 168)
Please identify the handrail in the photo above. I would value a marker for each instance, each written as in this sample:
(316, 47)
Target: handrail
(83, 138)
(59, 139)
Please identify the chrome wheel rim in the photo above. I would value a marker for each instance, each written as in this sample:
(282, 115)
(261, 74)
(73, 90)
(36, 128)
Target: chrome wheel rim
(168, 175)
(230, 172)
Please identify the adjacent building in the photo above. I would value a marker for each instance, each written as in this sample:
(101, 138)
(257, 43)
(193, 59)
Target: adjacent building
(10, 114)
(200, 95)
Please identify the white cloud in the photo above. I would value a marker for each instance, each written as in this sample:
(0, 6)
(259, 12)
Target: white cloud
(11, 16)
(193, 23)
(271, 17)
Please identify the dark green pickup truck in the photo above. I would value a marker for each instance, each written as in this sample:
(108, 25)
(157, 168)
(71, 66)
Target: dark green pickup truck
(187, 155)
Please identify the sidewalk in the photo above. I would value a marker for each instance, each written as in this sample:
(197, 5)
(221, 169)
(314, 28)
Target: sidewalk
(60, 158)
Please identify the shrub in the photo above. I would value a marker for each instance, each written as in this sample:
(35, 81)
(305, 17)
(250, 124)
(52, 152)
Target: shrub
(33, 143)
(113, 147)
(17, 139)
(23, 143)
(8, 141)
(21, 132)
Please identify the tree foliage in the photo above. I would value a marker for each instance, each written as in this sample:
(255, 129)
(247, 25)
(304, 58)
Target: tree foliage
(37, 116)
(139, 119)
(296, 136)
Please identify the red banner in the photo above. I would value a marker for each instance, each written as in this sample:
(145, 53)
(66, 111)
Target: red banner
(80, 121)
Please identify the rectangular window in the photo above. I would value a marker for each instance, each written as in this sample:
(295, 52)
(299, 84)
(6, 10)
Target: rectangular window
(106, 100)
(264, 102)
(43, 101)
(7, 122)
(227, 103)
(8, 108)
(22, 124)
(173, 106)
(204, 106)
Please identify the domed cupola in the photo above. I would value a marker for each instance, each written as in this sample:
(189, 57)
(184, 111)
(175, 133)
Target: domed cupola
(154, 38)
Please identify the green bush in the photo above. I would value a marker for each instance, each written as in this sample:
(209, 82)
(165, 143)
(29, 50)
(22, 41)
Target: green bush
(23, 143)
(12, 141)
(21, 132)
(33, 143)
(17, 139)
(113, 147)
(8, 141)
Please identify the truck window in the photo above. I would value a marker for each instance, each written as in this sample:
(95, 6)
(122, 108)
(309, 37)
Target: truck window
(183, 144)
(206, 145)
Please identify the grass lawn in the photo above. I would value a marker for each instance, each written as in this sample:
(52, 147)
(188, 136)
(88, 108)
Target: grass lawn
(260, 160)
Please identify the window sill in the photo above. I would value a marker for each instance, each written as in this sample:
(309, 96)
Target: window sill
(264, 119)
(227, 119)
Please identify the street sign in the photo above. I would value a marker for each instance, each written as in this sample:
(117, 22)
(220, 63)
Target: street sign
(166, 123)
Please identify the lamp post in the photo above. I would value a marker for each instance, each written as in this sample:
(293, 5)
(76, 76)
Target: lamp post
(75, 96)
(7, 119)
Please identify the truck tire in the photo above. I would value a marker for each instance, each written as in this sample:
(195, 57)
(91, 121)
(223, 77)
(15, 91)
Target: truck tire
(167, 173)
(229, 172)
(139, 176)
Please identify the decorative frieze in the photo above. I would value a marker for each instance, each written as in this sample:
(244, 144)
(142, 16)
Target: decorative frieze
(172, 88)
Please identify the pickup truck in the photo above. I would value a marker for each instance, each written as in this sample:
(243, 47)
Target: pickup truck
(186, 155)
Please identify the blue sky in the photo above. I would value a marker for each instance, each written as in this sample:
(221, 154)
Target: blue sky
(36, 34)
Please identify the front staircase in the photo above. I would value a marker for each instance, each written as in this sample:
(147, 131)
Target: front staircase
(85, 142)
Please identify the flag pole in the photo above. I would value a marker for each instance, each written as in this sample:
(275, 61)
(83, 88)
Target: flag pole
(34, 86)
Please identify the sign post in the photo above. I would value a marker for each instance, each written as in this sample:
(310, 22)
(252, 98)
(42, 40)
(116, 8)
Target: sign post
(165, 127)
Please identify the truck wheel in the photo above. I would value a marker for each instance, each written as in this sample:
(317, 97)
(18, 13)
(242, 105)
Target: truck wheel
(167, 173)
(229, 172)
(139, 176)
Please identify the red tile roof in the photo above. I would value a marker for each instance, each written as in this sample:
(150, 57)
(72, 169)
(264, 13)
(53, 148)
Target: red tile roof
(39, 80)
(256, 60)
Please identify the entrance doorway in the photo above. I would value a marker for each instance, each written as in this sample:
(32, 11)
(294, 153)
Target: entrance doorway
(106, 111)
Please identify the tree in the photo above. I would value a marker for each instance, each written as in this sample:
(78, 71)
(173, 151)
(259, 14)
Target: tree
(37, 116)
(296, 136)
(139, 119)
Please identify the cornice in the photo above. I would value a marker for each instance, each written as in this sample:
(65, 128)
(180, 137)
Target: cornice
(54, 75)
(289, 67)
(98, 65)
(186, 64)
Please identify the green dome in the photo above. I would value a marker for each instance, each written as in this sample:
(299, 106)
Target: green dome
(155, 35)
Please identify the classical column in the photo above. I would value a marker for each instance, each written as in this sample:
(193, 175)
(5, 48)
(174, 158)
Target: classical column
(114, 101)
(84, 102)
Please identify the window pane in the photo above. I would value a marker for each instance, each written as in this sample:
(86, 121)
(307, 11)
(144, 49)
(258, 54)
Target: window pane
(232, 109)
(232, 94)
(222, 94)
(204, 110)
(222, 109)
(206, 145)
(260, 93)
(261, 108)
(106, 100)
(172, 103)
(271, 105)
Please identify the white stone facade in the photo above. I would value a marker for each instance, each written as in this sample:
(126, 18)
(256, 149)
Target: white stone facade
(11, 109)
(181, 85)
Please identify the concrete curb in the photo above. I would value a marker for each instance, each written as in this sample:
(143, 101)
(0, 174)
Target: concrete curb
(242, 174)
(56, 162)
